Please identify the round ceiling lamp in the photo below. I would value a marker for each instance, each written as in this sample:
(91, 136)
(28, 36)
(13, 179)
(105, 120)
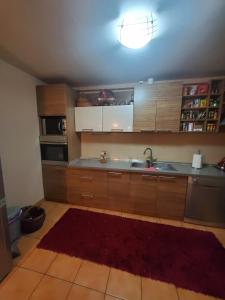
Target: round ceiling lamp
(136, 31)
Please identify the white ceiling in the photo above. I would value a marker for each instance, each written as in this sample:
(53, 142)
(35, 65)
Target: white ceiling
(74, 40)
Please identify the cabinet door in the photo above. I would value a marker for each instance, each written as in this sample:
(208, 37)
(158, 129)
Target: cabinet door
(54, 183)
(144, 108)
(87, 188)
(51, 100)
(118, 191)
(118, 118)
(168, 105)
(88, 118)
(143, 194)
(171, 195)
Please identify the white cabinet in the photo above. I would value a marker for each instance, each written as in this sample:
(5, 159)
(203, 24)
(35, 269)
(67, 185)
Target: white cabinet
(88, 118)
(118, 118)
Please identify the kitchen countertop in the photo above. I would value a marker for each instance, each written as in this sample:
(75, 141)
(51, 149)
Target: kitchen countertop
(182, 169)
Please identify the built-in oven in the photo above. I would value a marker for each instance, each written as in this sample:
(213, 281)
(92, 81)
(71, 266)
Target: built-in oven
(54, 151)
(53, 125)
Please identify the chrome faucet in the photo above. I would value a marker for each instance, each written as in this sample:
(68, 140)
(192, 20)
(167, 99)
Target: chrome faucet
(149, 159)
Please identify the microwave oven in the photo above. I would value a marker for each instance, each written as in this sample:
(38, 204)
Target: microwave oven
(54, 151)
(53, 125)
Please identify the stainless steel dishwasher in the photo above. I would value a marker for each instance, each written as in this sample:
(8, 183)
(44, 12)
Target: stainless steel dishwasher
(205, 202)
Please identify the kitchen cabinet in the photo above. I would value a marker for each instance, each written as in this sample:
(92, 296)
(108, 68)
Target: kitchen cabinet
(157, 106)
(143, 194)
(88, 119)
(139, 193)
(54, 183)
(171, 195)
(118, 118)
(168, 105)
(52, 100)
(144, 108)
(87, 187)
(118, 191)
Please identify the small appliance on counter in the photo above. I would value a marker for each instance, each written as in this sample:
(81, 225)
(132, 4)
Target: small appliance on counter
(197, 160)
(103, 157)
(221, 164)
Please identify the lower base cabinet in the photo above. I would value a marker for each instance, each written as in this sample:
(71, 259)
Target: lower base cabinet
(54, 183)
(145, 194)
(171, 195)
(87, 188)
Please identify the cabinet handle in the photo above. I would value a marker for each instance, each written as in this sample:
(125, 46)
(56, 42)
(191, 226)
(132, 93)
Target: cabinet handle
(116, 129)
(87, 195)
(115, 174)
(147, 130)
(150, 177)
(89, 178)
(87, 129)
(167, 178)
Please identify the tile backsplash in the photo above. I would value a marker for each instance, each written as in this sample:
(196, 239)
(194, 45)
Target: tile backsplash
(178, 147)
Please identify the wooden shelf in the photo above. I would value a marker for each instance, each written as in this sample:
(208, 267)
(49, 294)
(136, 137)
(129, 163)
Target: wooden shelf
(195, 96)
(193, 120)
(210, 120)
(193, 108)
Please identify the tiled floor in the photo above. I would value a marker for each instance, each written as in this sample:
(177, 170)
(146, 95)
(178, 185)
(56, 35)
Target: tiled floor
(44, 275)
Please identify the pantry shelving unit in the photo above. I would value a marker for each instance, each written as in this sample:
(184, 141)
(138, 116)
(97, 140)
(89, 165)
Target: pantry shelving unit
(203, 107)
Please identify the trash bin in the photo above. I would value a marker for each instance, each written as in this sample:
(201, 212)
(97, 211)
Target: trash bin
(14, 214)
(32, 218)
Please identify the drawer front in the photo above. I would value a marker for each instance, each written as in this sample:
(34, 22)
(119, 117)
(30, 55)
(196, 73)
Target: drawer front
(87, 199)
(88, 174)
(172, 184)
(118, 177)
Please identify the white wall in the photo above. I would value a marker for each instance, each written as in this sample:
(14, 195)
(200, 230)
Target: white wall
(19, 132)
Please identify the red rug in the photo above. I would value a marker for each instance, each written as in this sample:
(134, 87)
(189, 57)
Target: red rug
(188, 258)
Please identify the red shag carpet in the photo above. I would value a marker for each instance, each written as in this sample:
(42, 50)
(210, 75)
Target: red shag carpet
(188, 258)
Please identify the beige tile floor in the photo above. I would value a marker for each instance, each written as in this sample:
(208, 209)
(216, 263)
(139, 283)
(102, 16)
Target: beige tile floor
(44, 275)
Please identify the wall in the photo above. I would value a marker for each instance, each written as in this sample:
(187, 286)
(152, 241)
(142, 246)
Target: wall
(19, 132)
(166, 146)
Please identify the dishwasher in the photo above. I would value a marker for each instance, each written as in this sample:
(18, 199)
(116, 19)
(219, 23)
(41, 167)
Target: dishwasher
(205, 202)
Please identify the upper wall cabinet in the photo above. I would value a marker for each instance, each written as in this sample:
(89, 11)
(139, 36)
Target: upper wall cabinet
(52, 100)
(168, 97)
(157, 106)
(88, 119)
(144, 108)
(118, 118)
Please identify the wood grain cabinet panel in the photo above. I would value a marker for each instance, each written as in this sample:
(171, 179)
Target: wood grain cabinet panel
(157, 106)
(143, 194)
(171, 194)
(87, 188)
(118, 191)
(54, 183)
(168, 97)
(52, 100)
(144, 108)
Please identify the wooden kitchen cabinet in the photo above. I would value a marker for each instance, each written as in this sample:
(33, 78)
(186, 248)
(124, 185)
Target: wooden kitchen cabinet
(52, 100)
(168, 96)
(157, 106)
(143, 194)
(118, 191)
(54, 183)
(171, 195)
(144, 108)
(139, 193)
(87, 187)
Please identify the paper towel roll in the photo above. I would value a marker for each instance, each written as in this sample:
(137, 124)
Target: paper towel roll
(197, 161)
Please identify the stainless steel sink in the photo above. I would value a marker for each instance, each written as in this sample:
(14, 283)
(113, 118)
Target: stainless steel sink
(161, 166)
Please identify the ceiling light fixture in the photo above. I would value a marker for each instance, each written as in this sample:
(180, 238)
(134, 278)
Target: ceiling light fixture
(136, 31)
